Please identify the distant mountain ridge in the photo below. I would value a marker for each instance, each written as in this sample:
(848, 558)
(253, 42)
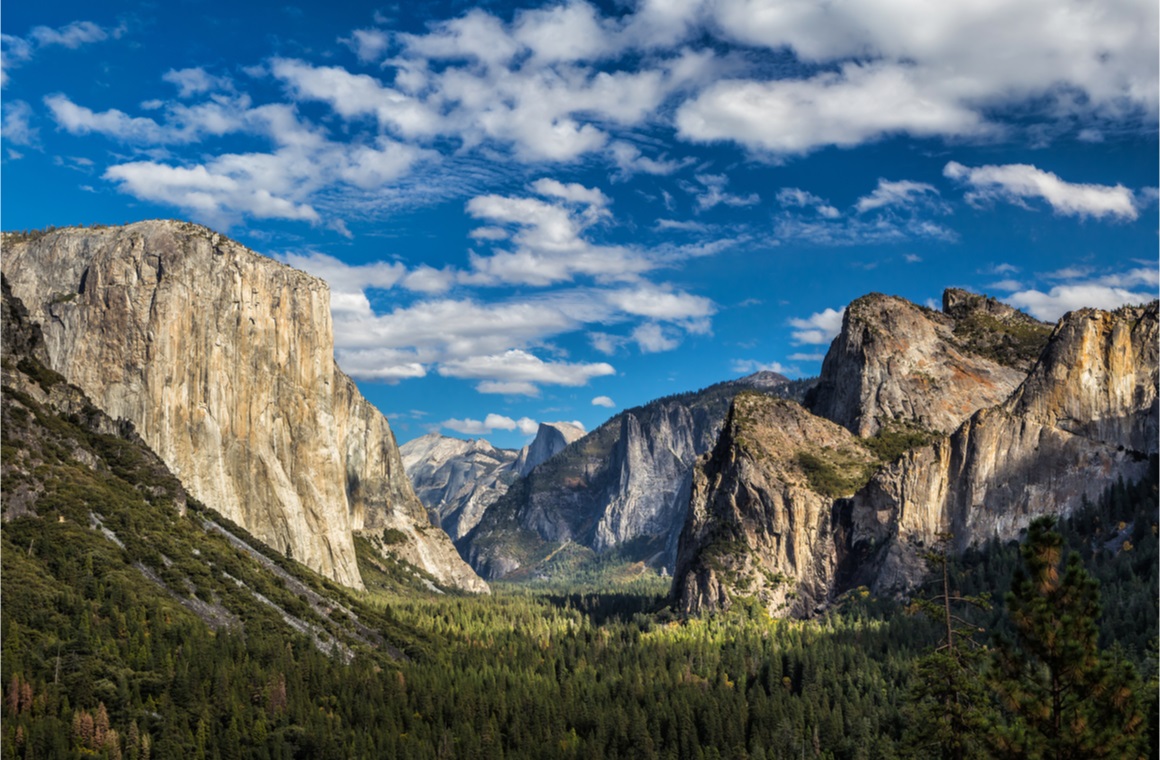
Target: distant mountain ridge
(457, 480)
(622, 486)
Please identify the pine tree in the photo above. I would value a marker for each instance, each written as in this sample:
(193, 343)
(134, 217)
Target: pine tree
(948, 709)
(1066, 699)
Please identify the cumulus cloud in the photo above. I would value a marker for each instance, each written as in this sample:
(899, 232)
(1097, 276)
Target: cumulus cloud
(604, 401)
(468, 426)
(652, 338)
(195, 81)
(921, 70)
(1016, 183)
(1061, 299)
(820, 328)
(368, 44)
(857, 104)
(548, 238)
(520, 372)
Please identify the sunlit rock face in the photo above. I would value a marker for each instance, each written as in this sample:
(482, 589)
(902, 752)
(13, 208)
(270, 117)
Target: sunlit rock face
(1084, 416)
(898, 363)
(224, 361)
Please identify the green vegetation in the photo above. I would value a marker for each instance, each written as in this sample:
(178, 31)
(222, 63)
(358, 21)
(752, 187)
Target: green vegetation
(834, 473)
(1012, 342)
(181, 641)
(891, 442)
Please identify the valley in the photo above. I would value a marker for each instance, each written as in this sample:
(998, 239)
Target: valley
(212, 548)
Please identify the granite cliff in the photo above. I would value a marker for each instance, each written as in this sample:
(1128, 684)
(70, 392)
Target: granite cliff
(897, 364)
(1084, 416)
(759, 520)
(622, 487)
(223, 361)
(457, 480)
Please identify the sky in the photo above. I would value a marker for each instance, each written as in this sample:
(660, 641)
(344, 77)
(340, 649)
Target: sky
(555, 211)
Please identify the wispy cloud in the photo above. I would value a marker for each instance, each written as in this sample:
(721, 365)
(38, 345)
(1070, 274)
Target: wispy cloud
(1018, 183)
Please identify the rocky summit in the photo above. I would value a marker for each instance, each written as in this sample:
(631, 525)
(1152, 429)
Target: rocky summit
(898, 364)
(223, 360)
(787, 512)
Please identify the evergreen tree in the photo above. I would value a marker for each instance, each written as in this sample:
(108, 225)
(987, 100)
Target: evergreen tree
(1066, 699)
(948, 710)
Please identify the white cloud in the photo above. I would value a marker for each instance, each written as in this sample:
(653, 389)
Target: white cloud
(206, 193)
(857, 104)
(656, 303)
(17, 126)
(1008, 285)
(368, 44)
(912, 258)
(195, 81)
(1016, 182)
(806, 357)
(712, 192)
(548, 243)
(17, 50)
(795, 197)
(819, 328)
(875, 230)
(468, 426)
(605, 343)
(1069, 55)
(354, 96)
(629, 160)
(518, 371)
(604, 401)
(1061, 299)
(72, 35)
(652, 338)
(901, 193)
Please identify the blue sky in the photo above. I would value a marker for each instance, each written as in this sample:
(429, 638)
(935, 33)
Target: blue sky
(556, 211)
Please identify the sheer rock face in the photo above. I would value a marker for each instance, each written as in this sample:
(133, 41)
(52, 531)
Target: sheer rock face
(627, 482)
(895, 362)
(1098, 378)
(223, 360)
(457, 480)
(550, 440)
(1084, 417)
(756, 526)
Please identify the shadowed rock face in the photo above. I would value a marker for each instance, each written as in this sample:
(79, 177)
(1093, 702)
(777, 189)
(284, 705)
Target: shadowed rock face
(759, 523)
(1085, 416)
(898, 363)
(550, 440)
(223, 360)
